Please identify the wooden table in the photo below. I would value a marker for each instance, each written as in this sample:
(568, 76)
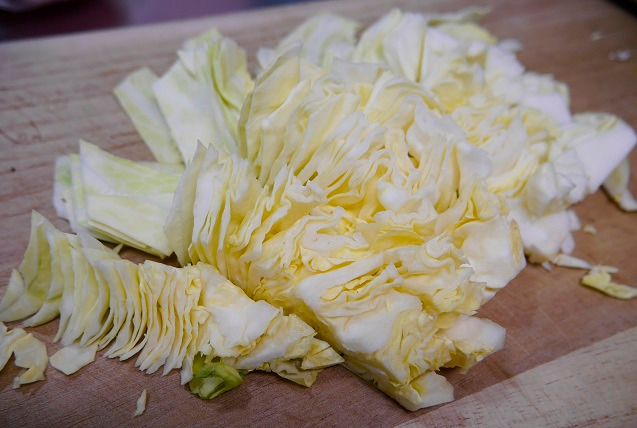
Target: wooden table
(571, 353)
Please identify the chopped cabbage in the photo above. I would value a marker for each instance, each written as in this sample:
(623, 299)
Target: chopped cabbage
(213, 378)
(378, 190)
(164, 315)
(7, 342)
(33, 374)
(473, 339)
(430, 149)
(565, 260)
(30, 352)
(590, 229)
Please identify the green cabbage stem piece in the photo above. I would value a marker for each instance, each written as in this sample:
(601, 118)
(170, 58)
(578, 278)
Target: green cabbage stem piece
(213, 379)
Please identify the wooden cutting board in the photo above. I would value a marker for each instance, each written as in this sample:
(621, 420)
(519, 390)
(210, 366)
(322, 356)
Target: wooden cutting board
(571, 353)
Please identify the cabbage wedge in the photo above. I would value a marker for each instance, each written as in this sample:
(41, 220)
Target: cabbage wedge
(165, 316)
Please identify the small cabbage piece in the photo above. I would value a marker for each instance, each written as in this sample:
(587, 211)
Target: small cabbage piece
(135, 95)
(602, 141)
(473, 339)
(599, 279)
(35, 289)
(161, 314)
(30, 353)
(140, 405)
(8, 338)
(590, 229)
(201, 95)
(71, 358)
(33, 374)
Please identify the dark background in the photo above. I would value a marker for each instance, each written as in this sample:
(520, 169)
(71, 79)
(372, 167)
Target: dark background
(83, 15)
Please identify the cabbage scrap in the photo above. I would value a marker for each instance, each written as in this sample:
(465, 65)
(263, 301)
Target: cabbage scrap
(7, 341)
(473, 339)
(599, 279)
(569, 261)
(213, 378)
(30, 353)
(140, 405)
(590, 229)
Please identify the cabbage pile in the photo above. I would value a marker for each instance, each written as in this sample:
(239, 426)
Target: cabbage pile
(374, 190)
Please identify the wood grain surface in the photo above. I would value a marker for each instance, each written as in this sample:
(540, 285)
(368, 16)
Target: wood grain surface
(569, 357)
